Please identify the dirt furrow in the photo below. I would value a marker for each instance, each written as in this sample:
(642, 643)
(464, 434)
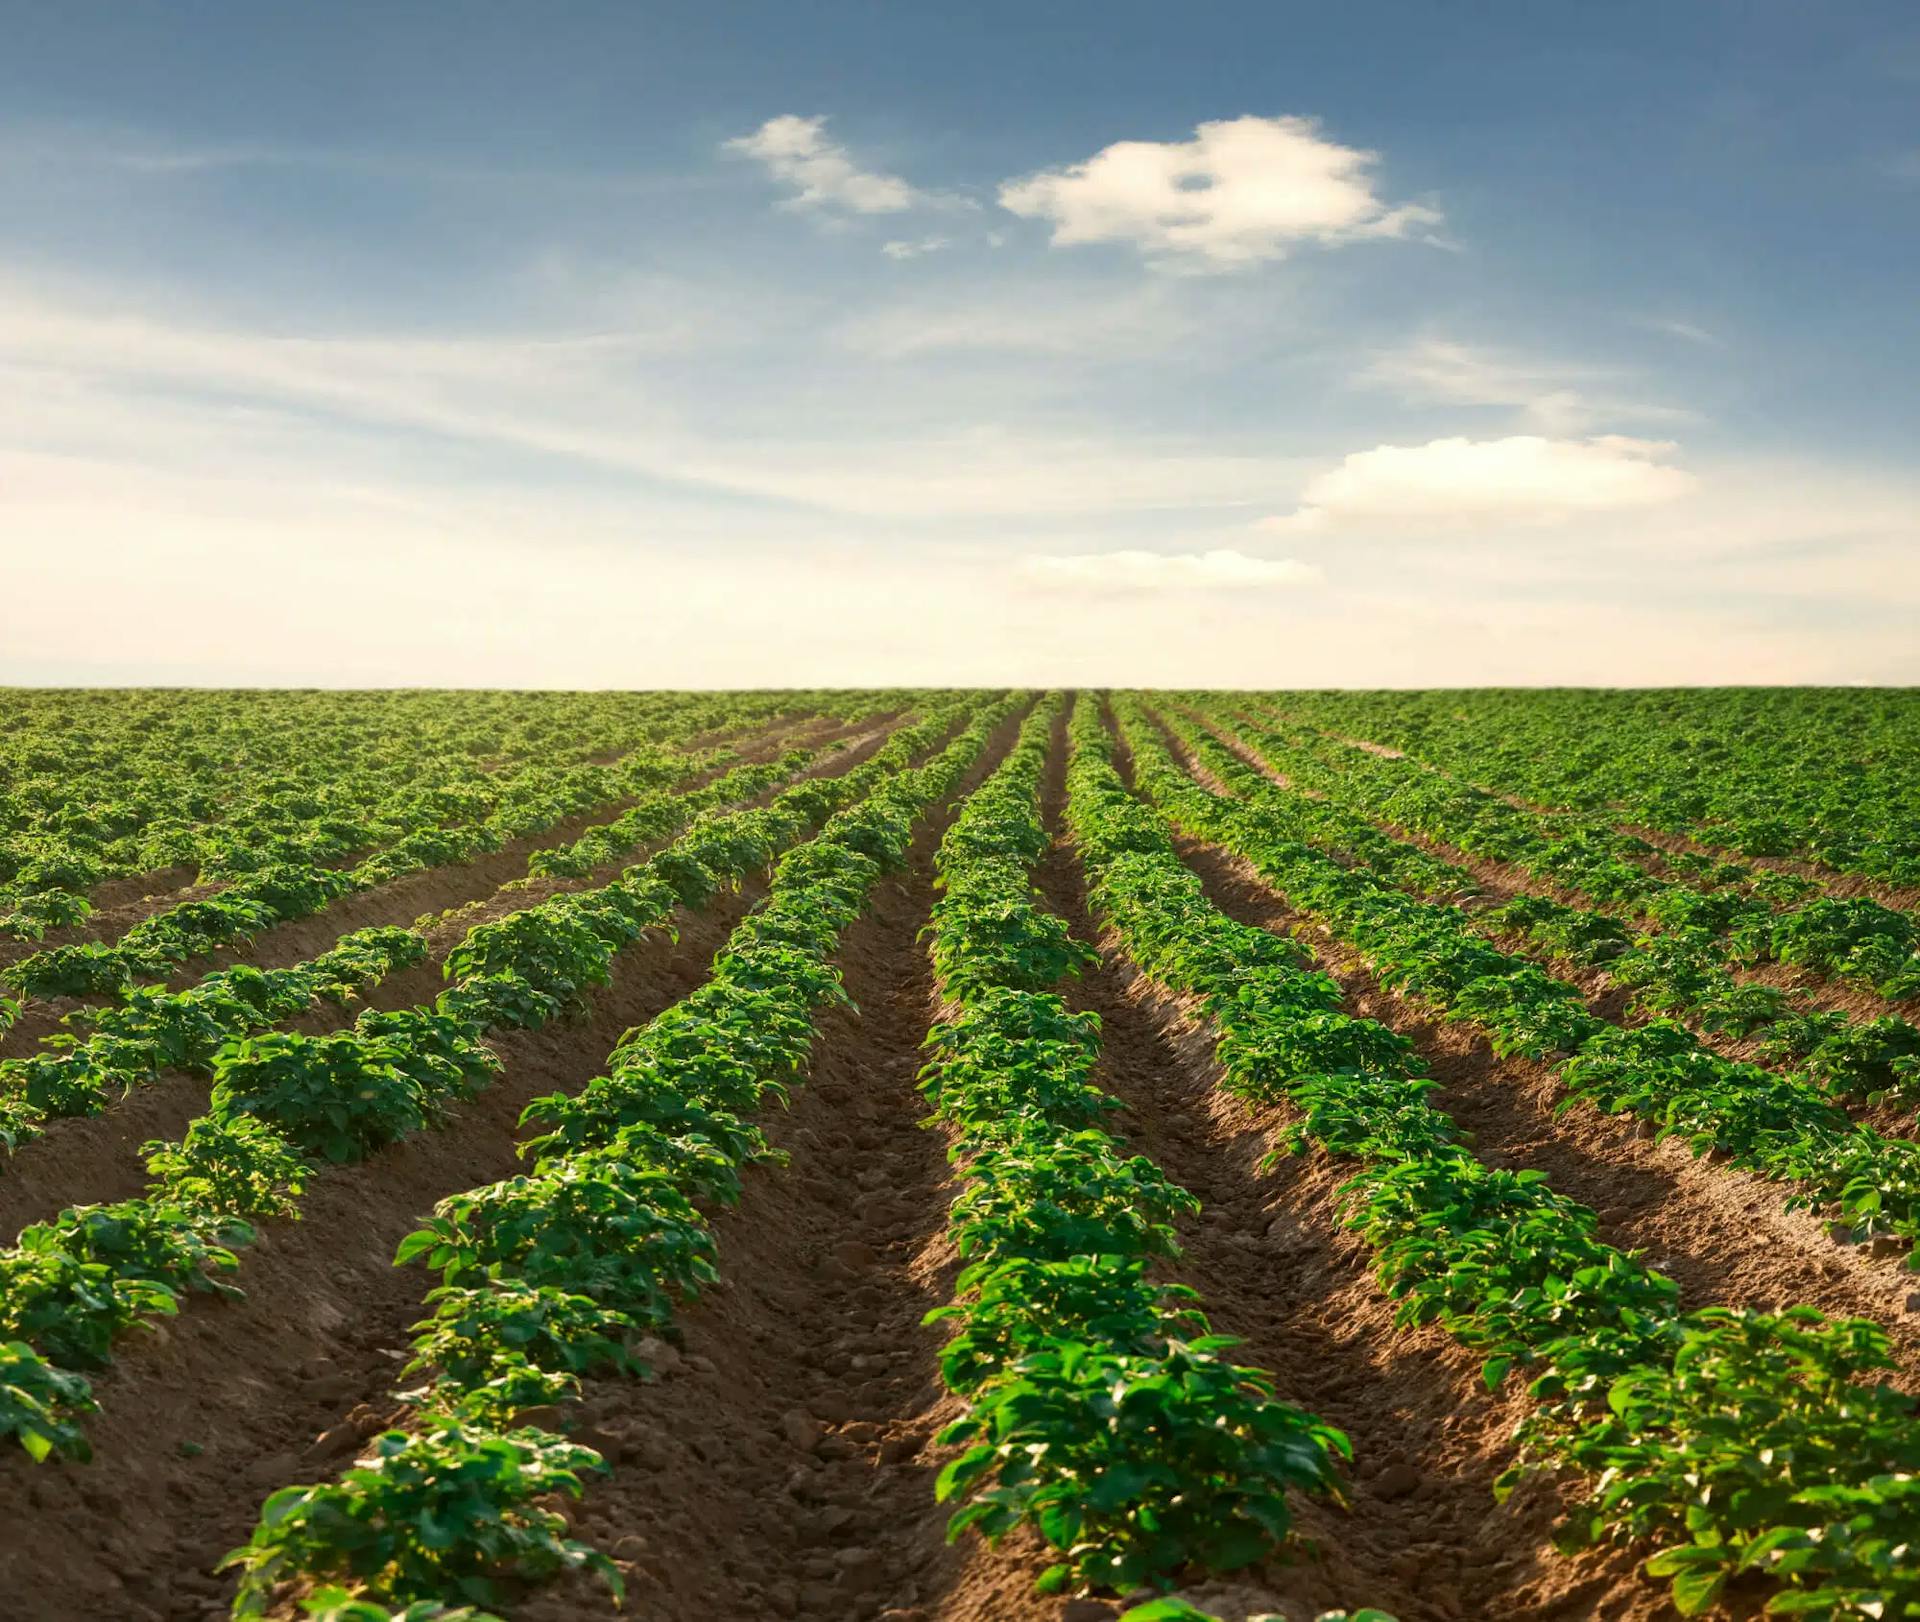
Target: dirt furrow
(119, 904)
(1834, 881)
(401, 901)
(202, 1417)
(781, 1466)
(1503, 881)
(1722, 1233)
(94, 1158)
(1423, 1537)
(1719, 1232)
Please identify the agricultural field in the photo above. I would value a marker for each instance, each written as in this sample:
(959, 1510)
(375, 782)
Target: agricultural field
(950, 1156)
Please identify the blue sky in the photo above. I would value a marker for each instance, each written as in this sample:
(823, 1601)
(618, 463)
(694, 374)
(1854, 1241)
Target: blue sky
(1263, 344)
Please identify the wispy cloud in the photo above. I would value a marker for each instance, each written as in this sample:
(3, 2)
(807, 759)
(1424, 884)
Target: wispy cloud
(1242, 191)
(1136, 569)
(593, 399)
(1688, 331)
(914, 248)
(141, 155)
(1551, 396)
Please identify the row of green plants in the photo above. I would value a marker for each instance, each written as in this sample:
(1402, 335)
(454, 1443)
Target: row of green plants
(1714, 915)
(1751, 1450)
(284, 1103)
(640, 824)
(1100, 1410)
(226, 784)
(148, 1031)
(1827, 774)
(1779, 1125)
(279, 891)
(1677, 969)
(552, 1276)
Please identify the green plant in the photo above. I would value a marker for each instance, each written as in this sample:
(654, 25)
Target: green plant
(338, 1096)
(1136, 1465)
(448, 1512)
(234, 1167)
(38, 1403)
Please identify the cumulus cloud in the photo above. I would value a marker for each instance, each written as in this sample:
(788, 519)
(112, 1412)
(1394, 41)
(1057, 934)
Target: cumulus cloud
(798, 153)
(1241, 191)
(1132, 570)
(1523, 479)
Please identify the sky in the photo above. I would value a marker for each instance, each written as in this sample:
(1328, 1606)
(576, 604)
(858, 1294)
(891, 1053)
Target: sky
(1250, 344)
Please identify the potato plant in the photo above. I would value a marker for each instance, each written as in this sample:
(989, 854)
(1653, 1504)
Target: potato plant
(1643, 1398)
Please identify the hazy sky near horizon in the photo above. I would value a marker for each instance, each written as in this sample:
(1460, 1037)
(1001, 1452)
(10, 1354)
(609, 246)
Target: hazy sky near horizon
(1270, 344)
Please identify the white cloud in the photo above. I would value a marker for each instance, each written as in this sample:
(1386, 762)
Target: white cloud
(1523, 479)
(913, 248)
(1134, 569)
(1043, 317)
(1693, 333)
(1241, 191)
(1552, 396)
(593, 399)
(821, 172)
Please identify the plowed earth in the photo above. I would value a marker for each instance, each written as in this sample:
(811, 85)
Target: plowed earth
(781, 1462)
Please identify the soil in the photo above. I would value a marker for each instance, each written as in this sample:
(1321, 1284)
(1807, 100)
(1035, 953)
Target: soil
(1834, 881)
(204, 1416)
(1500, 882)
(781, 1462)
(95, 1158)
(783, 1465)
(1604, 1158)
(118, 904)
(399, 901)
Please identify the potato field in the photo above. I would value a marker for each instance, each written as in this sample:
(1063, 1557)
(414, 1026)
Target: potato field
(952, 1156)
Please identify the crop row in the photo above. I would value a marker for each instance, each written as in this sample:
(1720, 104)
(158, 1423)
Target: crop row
(1718, 913)
(282, 1102)
(1099, 1409)
(280, 891)
(1781, 1126)
(1741, 1445)
(1676, 970)
(86, 805)
(150, 1030)
(558, 1273)
(1771, 772)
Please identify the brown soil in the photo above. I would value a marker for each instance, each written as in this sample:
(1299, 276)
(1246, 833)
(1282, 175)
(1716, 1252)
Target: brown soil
(1718, 1232)
(400, 901)
(1615, 1158)
(781, 1464)
(206, 1416)
(95, 1158)
(1500, 882)
(782, 1467)
(201, 1418)
(1835, 881)
(1423, 1537)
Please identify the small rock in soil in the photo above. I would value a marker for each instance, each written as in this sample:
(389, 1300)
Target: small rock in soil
(802, 1430)
(658, 1355)
(854, 1254)
(1396, 1481)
